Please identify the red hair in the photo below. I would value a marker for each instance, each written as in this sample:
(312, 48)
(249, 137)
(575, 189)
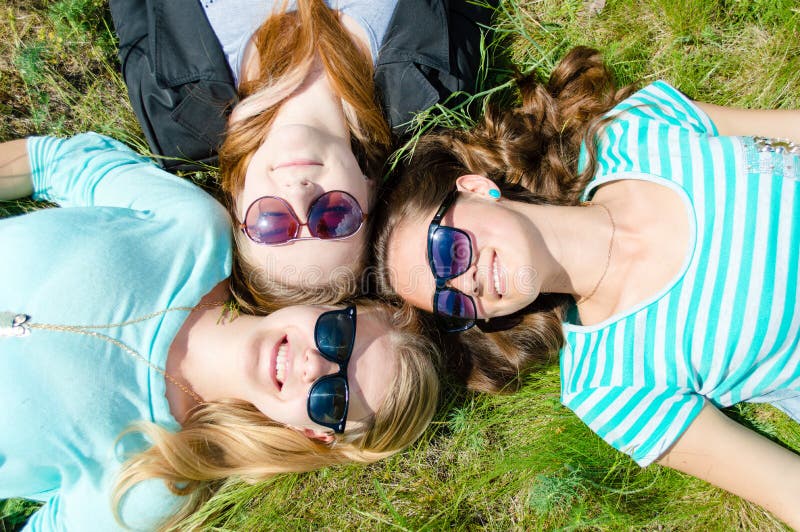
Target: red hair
(288, 45)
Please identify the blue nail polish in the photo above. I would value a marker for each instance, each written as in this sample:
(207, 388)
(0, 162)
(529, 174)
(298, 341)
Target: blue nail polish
(493, 192)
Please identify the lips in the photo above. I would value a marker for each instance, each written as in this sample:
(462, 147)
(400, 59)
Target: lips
(296, 162)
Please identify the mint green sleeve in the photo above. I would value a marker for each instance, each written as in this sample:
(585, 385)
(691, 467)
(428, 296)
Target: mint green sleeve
(94, 170)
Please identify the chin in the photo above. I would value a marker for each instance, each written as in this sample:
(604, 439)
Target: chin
(516, 305)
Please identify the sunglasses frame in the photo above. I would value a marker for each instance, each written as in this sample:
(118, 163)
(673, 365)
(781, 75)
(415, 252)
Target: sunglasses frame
(291, 211)
(441, 282)
(338, 427)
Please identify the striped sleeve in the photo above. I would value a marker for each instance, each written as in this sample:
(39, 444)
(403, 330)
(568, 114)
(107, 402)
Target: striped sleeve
(647, 128)
(661, 102)
(642, 423)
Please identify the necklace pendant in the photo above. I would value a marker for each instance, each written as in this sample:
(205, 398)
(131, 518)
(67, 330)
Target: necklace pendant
(13, 324)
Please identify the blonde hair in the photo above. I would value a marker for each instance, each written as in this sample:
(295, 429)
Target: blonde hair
(288, 44)
(531, 152)
(256, 292)
(233, 439)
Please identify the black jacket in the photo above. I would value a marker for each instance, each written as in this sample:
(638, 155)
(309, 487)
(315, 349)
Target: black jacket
(181, 89)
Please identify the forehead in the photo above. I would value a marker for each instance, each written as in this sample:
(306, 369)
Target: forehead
(372, 367)
(310, 263)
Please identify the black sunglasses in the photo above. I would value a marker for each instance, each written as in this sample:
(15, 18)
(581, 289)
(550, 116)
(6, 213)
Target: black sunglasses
(329, 396)
(450, 255)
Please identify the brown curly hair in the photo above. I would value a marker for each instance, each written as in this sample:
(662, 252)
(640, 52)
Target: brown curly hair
(531, 153)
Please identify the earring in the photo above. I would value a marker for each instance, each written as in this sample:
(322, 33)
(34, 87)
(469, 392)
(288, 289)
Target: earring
(494, 193)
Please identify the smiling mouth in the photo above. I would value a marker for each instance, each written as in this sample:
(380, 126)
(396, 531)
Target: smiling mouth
(281, 362)
(498, 285)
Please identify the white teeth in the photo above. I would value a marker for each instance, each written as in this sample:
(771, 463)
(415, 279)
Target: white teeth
(496, 277)
(280, 363)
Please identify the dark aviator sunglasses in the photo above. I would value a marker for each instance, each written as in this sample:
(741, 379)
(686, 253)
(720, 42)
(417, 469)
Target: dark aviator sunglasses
(271, 221)
(329, 396)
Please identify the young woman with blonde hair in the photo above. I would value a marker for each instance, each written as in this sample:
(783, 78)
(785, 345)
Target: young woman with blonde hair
(129, 395)
(305, 144)
(658, 263)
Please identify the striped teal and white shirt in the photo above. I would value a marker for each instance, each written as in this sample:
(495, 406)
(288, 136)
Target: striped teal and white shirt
(726, 329)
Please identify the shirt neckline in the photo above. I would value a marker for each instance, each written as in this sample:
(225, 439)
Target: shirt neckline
(689, 255)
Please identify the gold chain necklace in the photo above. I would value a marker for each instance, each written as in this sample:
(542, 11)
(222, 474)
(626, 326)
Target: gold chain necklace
(13, 324)
(608, 259)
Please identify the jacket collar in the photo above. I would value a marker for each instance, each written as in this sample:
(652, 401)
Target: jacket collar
(184, 47)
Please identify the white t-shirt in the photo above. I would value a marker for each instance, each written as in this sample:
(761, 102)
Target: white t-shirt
(235, 21)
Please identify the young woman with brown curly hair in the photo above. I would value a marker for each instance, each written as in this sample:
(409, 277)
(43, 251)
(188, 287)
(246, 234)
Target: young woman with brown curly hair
(658, 263)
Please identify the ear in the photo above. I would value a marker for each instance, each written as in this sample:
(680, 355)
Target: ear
(477, 184)
(319, 435)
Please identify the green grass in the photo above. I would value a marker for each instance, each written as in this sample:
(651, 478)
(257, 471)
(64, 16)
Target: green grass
(520, 462)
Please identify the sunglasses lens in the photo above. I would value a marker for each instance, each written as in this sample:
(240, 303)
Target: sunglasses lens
(327, 401)
(451, 252)
(335, 215)
(455, 304)
(334, 334)
(269, 221)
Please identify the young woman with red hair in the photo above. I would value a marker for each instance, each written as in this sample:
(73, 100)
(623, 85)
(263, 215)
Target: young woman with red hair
(319, 89)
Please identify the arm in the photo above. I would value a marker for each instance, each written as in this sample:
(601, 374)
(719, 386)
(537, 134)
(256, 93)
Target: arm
(94, 170)
(720, 451)
(777, 123)
(15, 170)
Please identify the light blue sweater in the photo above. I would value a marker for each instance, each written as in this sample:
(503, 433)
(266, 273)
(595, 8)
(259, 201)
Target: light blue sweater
(130, 240)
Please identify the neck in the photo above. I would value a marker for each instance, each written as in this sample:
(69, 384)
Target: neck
(202, 353)
(576, 243)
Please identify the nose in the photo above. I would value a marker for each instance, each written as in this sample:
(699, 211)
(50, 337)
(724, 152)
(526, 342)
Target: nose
(467, 282)
(300, 197)
(288, 180)
(315, 366)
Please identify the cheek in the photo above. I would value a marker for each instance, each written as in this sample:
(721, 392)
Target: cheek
(409, 273)
(254, 185)
(362, 189)
(412, 282)
(292, 413)
(242, 202)
(350, 179)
